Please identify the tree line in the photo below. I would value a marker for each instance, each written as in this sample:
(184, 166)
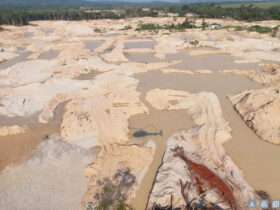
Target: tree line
(22, 16)
(18, 16)
(243, 12)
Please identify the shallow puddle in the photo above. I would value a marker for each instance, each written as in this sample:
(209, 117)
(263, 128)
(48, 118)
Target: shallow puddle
(142, 57)
(49, 55)
(48, 31)
(146, 44)
(93, 44)
(28, 34)
(111, 34)
(87, 76)
(17, 148)
(257, 159)
(20, 58)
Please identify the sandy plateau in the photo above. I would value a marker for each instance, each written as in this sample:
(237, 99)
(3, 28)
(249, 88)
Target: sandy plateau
(98, 118)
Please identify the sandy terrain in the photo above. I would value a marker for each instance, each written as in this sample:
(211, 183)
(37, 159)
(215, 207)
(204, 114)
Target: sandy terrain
(72, 101)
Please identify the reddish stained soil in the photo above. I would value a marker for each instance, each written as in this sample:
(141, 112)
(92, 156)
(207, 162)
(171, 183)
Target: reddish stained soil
(205, 175)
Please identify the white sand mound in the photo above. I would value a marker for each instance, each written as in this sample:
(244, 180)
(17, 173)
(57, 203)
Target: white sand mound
(52, 179)
(27, 72)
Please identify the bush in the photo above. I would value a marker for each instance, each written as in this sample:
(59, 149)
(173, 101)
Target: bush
(127, 28)
(171, 27)
(148, 27)
(114, 192)
(275, 31)
(260, 29)
(97, 30)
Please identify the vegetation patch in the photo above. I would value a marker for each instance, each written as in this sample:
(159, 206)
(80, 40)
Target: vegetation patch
(237, 28)
(114, 192)
(97, 30)
(256, 28)
(260, 29)
(170, 27)
(128, 27)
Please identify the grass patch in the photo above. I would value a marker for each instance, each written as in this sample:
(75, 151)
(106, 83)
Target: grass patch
(205, 26)
(256, 28)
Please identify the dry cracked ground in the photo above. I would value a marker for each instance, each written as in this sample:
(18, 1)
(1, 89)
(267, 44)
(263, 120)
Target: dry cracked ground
(114, 118)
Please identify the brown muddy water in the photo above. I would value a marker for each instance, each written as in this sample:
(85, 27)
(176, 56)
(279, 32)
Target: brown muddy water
(257, 159)
(17, 148)
(218, 61)
(38, 166)
(169, 122)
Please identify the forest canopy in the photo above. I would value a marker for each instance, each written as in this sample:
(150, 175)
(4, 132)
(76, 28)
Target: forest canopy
(23, 15)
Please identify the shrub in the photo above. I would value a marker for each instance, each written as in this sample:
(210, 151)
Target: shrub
(148, 27)
(127, 27)
(260, 29)
(97, 30)
(114, 192)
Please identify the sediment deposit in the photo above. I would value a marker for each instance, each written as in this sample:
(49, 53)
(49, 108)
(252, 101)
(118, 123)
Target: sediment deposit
(11, 130)
(260, 110)
(268, 74)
